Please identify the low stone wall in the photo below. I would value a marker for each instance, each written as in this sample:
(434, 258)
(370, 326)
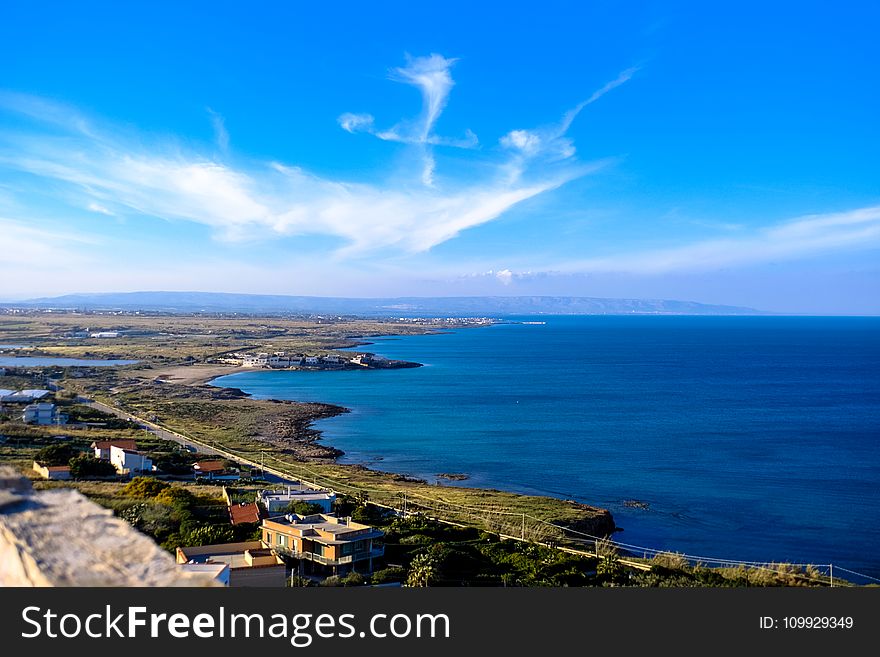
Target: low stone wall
(61, 538)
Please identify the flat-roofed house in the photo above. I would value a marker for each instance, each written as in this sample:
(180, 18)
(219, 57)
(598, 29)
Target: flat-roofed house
(43, 413)
(255, 360)
(279, 500)
(324, 544)
(250, 563)
(218, 572)
(129, 461)
(53, 472)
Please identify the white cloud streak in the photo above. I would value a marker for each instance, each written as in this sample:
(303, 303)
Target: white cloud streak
(22, 245)
(221, 135)
(550, 143)
(803, 237)
(120, 175)
(116, 173)
(432, 76)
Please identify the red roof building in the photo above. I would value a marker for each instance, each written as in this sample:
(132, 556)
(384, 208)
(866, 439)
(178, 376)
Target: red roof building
(240, 514)
(102, 447)
(209, 466)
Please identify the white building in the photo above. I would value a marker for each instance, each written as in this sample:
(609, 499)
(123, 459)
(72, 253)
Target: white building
(251, 360)
(332, 360)
(218, 572)
(277, 500)
(102, 447)
(53, 472)
(312, 360)
(42, 414)
(23, 396)
(105, 334)
(128, 461)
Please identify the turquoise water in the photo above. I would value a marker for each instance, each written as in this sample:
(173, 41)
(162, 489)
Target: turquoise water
(752, 438)
(48, 361)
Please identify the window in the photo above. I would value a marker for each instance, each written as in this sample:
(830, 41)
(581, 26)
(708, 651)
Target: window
(267, 538)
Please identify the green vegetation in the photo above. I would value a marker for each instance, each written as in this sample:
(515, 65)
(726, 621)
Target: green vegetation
(301, 508)
(59, 454)
(175, 515)
(86, 465)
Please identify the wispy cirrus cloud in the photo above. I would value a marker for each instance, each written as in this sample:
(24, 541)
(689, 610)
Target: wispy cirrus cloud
(117, 173)
(221, 135)
(550, 142)
(802, 237)
(432, 76)
(23, 245)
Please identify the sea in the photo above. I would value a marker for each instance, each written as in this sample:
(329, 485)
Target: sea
(750, 438)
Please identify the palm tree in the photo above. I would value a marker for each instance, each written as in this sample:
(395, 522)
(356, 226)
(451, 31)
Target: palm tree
(422, 571)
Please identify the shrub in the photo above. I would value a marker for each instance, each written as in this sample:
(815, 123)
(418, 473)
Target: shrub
(386, 575)
(175, 496)
(210, 535)
(670, 561)
(354, 578)
(144, 487)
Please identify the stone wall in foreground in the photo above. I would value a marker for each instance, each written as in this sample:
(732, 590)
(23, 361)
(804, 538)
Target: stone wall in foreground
(61, 538)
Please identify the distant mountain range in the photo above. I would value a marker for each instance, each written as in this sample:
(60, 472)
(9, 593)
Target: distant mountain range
(219, 302)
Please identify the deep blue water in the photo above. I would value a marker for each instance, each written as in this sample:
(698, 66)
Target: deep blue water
(47, 361)
(752, 438)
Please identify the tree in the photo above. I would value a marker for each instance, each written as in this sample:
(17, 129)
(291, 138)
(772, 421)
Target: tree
(86, 465)
(303, 508)
(423, 571)
(55, 455)
(392, 574)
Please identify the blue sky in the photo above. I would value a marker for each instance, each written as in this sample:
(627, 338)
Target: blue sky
(657, 149)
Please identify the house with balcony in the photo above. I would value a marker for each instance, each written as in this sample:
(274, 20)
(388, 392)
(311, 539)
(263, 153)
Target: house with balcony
(43, 414)
(324, 544)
